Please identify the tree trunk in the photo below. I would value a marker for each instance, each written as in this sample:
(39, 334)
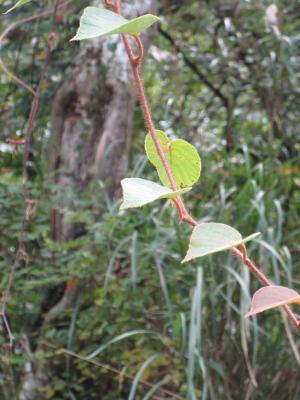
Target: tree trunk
(90, 137)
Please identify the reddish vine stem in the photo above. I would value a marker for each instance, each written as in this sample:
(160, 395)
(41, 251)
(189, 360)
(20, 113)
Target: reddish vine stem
(29, 205)
(185, 216)
(135, 62)
(182, 210)
(146, 111)
(242, 255)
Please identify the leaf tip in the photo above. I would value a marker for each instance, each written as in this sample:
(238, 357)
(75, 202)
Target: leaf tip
(187, 258)
(155, 17)
(248, 315)
(76, 36)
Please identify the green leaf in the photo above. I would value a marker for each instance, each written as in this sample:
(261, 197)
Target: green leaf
(138, 192)
(100, 21)
(182, 157)
(18, 4)
(212, 237)
(270, 297)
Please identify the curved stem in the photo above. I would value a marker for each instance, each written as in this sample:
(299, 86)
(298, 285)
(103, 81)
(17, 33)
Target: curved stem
(139, 57)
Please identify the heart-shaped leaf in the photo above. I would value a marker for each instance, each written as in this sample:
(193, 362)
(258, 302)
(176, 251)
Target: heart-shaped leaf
(182, 157)
(138, 192)
(212, 237)
(18, 4)
(100, 21)
(270, 297)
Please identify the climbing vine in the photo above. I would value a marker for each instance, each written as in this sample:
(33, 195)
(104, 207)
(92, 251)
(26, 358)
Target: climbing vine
(178, 165)
(177, 162)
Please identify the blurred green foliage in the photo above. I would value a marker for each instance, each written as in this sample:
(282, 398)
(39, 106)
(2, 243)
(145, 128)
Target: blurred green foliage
(128, 263)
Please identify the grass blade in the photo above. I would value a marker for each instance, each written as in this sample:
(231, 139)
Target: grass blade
(139, 375)
(118, 339)
(194, 335)
(133, 258)
(156, 387)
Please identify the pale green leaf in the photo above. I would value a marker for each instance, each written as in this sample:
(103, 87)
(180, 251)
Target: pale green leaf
(100, 21)
(18, 4)
(138, 192)
(270, 297)
(212, 237)
(182, 157)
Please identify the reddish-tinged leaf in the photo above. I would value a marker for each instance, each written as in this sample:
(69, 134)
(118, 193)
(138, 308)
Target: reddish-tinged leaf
(270, 297)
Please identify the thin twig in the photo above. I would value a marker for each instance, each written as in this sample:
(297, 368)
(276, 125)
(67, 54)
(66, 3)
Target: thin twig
(13, 26)
(113, 369)
(28, 203)
(183, 212)
(15, 78)
(8, 329)
(194, 67)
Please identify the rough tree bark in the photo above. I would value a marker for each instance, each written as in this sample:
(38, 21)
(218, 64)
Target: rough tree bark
(91, 131)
